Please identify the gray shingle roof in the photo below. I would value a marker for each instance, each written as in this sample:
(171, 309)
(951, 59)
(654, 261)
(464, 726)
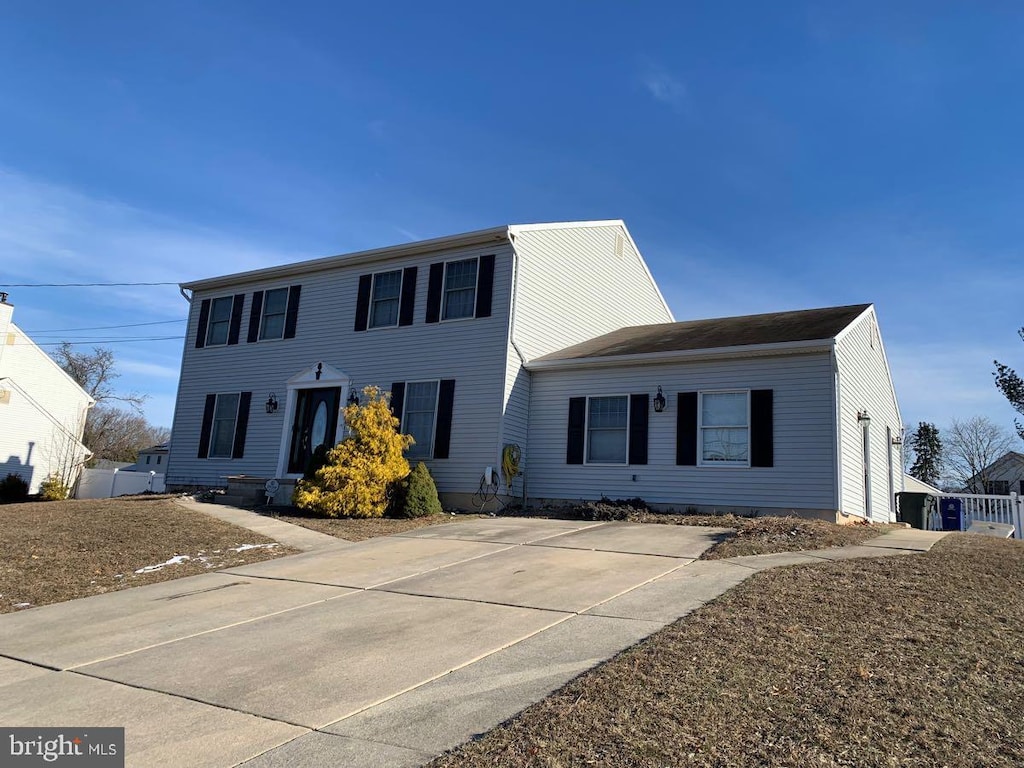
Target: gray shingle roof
(717, 333)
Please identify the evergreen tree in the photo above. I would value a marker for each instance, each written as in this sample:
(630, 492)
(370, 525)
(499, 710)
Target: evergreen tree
(1012, 387)
(927, 447)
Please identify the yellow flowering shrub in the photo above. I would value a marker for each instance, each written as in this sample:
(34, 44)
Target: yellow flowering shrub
(363, 469)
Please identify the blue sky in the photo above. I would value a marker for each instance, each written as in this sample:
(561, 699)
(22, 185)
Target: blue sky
(765, 156)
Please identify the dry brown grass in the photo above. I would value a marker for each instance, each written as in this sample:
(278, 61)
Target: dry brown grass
(61, 550)
(902, 661)
(360, 529)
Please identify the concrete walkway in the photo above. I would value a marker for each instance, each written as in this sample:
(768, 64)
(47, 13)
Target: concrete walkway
(274, 528)
(381, 653)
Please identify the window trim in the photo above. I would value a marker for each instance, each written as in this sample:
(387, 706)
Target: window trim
(405, 409)
(230, 299)
(373, 285)
(701, 461)
(444, 291)
(263, 314)
(586, 433)
(234, 427)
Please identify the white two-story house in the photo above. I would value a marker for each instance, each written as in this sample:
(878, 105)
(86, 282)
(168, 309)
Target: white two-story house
(513, 336)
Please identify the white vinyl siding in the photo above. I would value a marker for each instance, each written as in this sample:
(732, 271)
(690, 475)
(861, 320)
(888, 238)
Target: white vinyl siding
(275, 307)
(575, 283)
(459, 289)
(220, 321)
(607, 429)
(420, 417)
(724, 428)
(222, 434)
(386, 294)
(472, 353)
(864, 383)
(802, 477)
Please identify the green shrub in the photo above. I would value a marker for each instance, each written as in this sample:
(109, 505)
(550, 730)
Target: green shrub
(13, 488)
(418, 495)
(53, 489)
(362, 470)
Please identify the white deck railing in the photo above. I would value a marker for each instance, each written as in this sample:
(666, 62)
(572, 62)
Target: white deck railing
(985, 508)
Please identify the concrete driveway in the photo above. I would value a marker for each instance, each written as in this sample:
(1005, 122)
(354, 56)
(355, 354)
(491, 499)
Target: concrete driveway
(382, 653)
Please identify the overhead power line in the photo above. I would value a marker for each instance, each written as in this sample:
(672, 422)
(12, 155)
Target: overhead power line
(101, 341)
(107, 327)
(75, 285)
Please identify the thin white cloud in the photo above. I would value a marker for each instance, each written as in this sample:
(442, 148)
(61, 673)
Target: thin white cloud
(148, 369)
(664, 86)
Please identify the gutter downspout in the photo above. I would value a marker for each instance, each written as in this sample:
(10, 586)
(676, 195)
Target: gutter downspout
(519, 353)
(838, 425)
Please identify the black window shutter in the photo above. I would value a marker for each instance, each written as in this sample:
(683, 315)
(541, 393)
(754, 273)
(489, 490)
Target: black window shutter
(762, 437)
(686, 429)
(236, 318)
(443, 431)
(204, 321)
(485, 286)
(397, 401)
(639, 405)
(254, 317)
(435, 285)
(291, 317)
(408, 301)
(577, 427)
(241, 425)
(204, 433)
(363, 302)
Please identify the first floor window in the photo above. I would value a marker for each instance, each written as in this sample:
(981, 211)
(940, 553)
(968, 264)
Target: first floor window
(222, 435)
(459, 289)
(275, 307)
(387, 288)
(419, 417)
(997, 487)
(607, 422)
(220, 321)
(724, 428)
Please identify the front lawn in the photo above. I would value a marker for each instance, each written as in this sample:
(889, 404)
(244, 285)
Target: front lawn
(900, 661)
(60, 550)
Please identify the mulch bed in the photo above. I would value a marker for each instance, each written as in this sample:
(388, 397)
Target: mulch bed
(753, 535)
(901, 661)
(61, 550)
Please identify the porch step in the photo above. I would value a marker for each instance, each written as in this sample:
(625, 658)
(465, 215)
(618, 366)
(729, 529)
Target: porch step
(233, 500)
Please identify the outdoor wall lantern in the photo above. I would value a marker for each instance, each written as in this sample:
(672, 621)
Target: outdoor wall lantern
(897, 440)
(863, 418)
(353, 398)
(271, 404)
(659, 401)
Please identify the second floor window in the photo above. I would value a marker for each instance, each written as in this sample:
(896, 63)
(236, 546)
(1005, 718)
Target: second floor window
(387, 289)
(220, 321)
(459, 289)
(275, 307)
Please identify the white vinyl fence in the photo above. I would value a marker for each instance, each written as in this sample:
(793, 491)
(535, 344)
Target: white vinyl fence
(107, 483)
(987, 509)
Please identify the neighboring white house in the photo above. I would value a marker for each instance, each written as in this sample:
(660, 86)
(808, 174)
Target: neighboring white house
(1003, 476)
(528, 336)
(42, 410)
(152, 459)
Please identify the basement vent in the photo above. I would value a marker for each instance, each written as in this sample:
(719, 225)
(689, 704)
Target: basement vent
(620, 244)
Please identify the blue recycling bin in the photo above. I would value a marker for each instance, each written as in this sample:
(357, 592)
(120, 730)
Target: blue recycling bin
(951, 510)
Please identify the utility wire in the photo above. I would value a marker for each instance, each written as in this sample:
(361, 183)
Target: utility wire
(74, 285)
(107, 327)
(98, 341)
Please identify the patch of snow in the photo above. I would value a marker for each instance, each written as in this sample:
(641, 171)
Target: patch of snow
(176, 560)
(244, 547)
(23, 605)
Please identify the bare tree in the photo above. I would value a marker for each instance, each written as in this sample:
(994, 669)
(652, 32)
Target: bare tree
(116, 434)
(95, 373)
(971, 446)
